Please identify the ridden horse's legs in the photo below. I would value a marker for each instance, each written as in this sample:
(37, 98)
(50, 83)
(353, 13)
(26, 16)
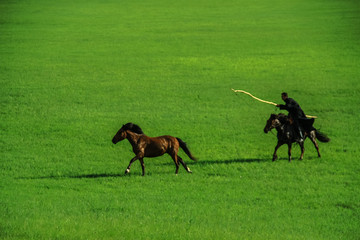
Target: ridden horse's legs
(184, 165)
(313, 139)
(142, 166)
(289, 151)
(302, 150)
(276, 148)
(131, 161)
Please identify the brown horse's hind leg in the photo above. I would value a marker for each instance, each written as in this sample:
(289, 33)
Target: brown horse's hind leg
(131, 161)
(313, 139)
(174, 157)
(142, 166)
(184, 165)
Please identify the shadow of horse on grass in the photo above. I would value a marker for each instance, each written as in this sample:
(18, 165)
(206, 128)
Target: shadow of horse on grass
(229, 161)
(77, 176)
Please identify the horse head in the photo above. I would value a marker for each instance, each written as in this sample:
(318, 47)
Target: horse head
(121, 134)
(272, 122)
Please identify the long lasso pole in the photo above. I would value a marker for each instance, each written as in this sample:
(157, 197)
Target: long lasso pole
(242, 91)
(264, 101)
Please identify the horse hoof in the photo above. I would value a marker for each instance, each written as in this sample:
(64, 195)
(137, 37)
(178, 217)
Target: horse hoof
(127, 171)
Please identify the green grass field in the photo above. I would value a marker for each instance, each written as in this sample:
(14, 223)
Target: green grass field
(72, 72)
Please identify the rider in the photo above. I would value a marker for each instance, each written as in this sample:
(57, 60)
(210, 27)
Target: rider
(296, 114)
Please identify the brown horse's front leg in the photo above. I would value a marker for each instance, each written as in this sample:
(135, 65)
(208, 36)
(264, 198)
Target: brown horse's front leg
(131, 161)
(289, 151)
(142, 166)
(276, 148)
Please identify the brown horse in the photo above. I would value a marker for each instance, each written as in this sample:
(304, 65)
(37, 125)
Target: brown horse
(286, 134)
(144, 146)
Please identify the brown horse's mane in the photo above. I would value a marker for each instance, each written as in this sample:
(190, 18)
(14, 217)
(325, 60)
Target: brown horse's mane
(133, 128)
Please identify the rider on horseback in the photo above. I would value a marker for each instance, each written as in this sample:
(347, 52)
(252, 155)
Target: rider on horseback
(300, 121)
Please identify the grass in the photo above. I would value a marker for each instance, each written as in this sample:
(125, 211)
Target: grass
(73, 72)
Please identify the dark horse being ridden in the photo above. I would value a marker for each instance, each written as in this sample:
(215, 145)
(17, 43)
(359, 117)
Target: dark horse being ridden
(286, 134)
(144, 146)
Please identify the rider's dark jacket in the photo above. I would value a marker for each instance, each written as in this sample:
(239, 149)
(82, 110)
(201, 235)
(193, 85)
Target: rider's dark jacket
(294, 109)
(297, 114)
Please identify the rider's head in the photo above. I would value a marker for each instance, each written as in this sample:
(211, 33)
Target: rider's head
(284, 96)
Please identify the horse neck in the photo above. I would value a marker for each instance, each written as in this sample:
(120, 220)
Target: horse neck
(284, 129)
(281, 128)
(132, 137)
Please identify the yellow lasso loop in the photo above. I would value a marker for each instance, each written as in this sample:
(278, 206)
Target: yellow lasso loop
(272, 103)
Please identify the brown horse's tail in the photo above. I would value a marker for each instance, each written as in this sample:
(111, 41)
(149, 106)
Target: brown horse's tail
(186, 149)
(321, 136)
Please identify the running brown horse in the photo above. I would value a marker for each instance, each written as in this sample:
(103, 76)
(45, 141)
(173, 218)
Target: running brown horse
(144, 146)
(287, 134)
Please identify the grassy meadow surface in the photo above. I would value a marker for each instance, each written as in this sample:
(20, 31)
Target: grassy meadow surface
(72, 72)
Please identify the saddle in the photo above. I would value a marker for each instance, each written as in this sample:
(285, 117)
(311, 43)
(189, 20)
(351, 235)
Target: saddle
(306, 124)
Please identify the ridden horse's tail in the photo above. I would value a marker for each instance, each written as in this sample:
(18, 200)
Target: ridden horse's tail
(321, 136)
(186, 149)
